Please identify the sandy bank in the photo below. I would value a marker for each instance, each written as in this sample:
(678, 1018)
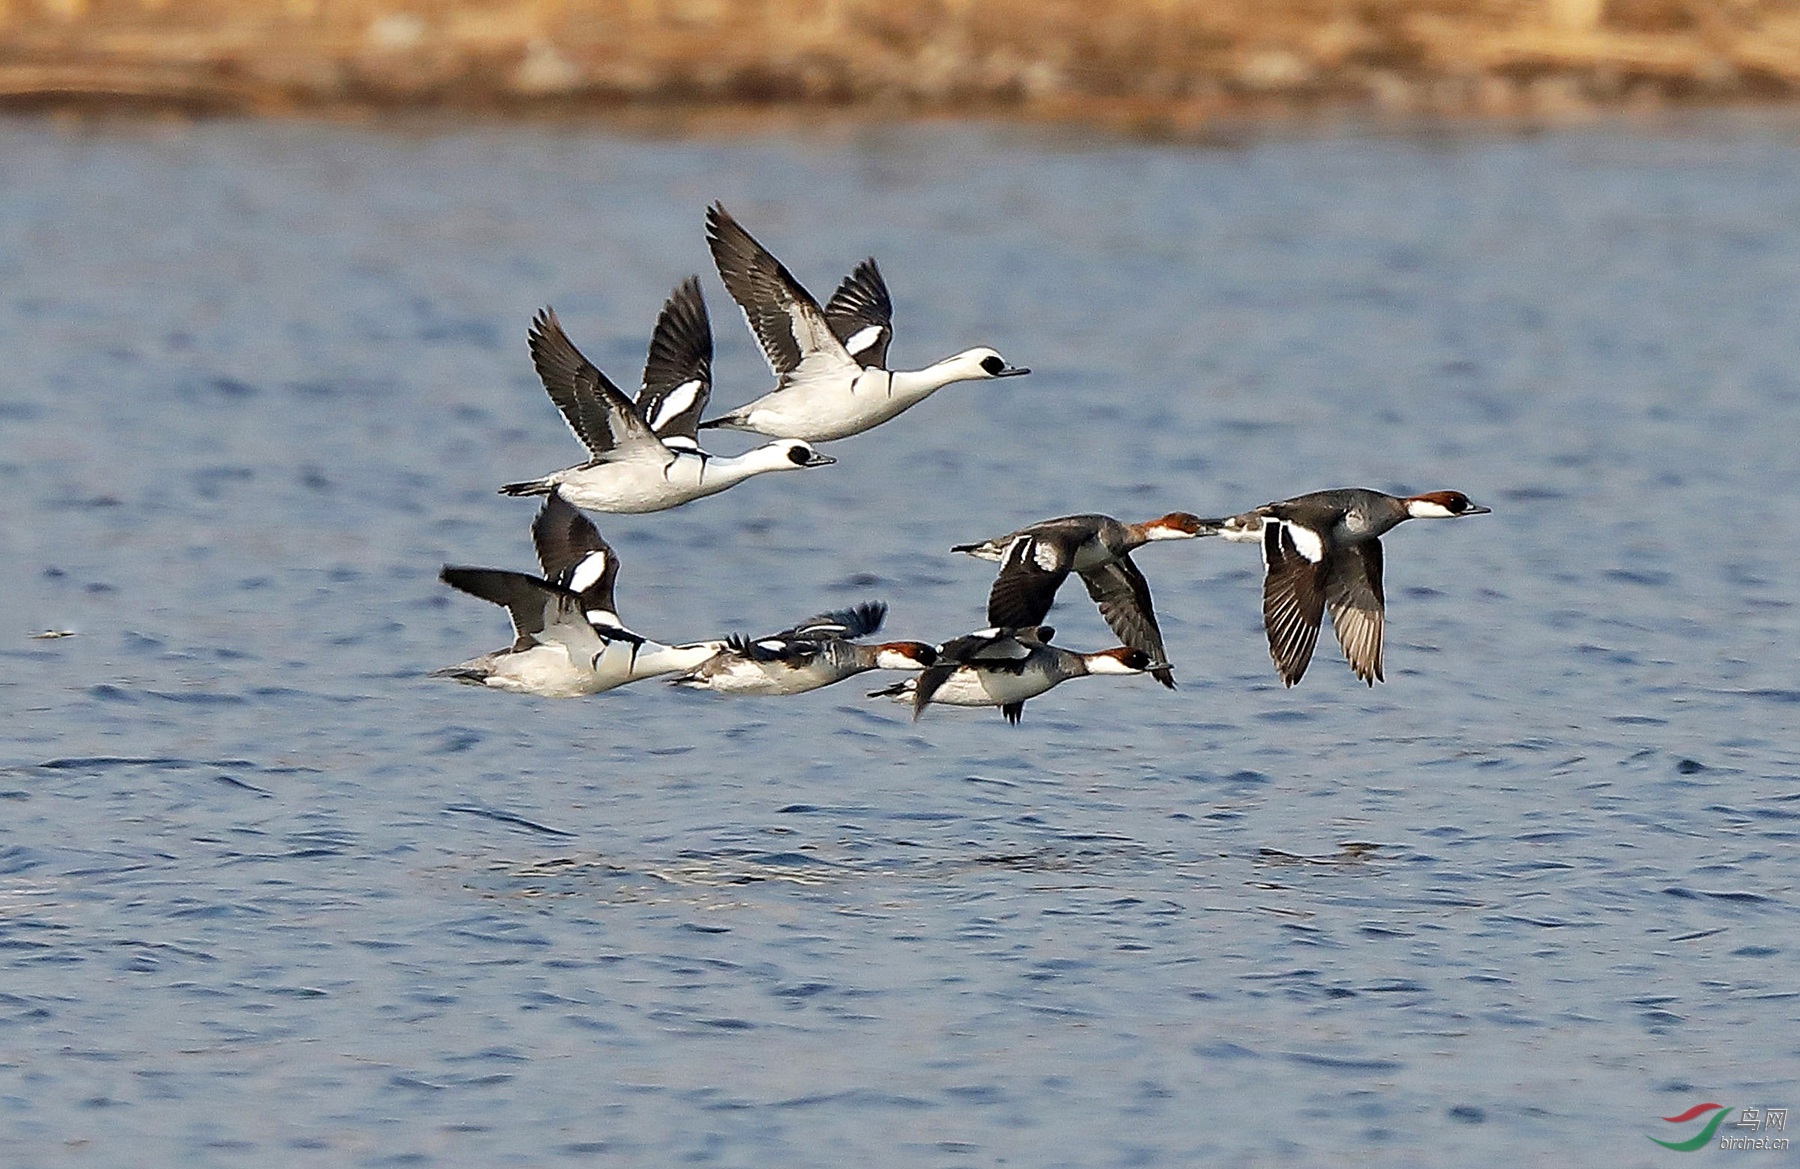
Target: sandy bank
(1156, 61)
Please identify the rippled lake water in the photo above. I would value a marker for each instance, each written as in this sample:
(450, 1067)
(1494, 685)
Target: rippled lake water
(271, 895)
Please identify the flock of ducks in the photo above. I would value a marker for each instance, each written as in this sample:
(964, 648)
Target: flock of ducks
(1321, 551)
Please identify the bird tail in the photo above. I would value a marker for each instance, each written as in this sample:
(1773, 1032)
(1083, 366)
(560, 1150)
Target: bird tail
(529, 487)
(731, 420)
(472, 674)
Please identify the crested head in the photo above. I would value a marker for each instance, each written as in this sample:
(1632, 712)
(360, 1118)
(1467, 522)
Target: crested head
(1177, 525)
(1437, 505)
(904, 655)
(1119, 660)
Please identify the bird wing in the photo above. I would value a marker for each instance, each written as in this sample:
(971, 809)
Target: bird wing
(788, 323)
(931, 679)
(1033, 568)
(1123, 595)
(1293, 601)
(776, 648)
(574, 556)
(997, 649)
(542, 613)
(861, 314)
(678, 369)
(849, 624)
(1353, 593)
(601, 416)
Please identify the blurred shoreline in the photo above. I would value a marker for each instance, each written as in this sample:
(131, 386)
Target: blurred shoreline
(1147, 65)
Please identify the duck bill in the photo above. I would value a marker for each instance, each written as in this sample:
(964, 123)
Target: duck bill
(1013, 371)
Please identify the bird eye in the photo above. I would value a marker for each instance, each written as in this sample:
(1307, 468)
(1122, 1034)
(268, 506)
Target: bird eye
(799, 455)
(993, 365)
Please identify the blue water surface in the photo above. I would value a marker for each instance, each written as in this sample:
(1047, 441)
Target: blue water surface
(270, 895)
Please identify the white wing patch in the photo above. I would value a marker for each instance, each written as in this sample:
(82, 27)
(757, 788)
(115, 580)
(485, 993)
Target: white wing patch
(1306, 542)
(603, 617)
(681, 444)
(679, 399)
(862, 339)
(1045, 556)
(590, 570)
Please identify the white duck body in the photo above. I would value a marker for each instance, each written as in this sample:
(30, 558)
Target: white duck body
(568, 640)
(563, 670)
(648, 480)
(850, 401)
(644, 455)
(830, 363)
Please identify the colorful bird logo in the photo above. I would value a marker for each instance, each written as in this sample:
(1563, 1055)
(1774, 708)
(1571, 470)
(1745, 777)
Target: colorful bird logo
(1704, 1135)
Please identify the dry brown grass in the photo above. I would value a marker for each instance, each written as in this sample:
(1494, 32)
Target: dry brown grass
(1175, 60)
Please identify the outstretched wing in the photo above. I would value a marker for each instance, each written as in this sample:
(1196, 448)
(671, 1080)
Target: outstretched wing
(861, 314)
(541, 612)
(1353, 592)
(1123, 596)
(575, 557)
(1293, 601)
(678, 370)
(849, 624)
(788, 323)
(601, 416)
(1033, 567)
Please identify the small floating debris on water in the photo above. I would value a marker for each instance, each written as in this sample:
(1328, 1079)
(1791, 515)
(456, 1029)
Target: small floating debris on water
(1349, 852)
(52, 634)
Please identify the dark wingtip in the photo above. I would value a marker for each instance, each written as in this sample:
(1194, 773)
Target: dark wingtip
(867, 618)
(464, 578)
(720, 221)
